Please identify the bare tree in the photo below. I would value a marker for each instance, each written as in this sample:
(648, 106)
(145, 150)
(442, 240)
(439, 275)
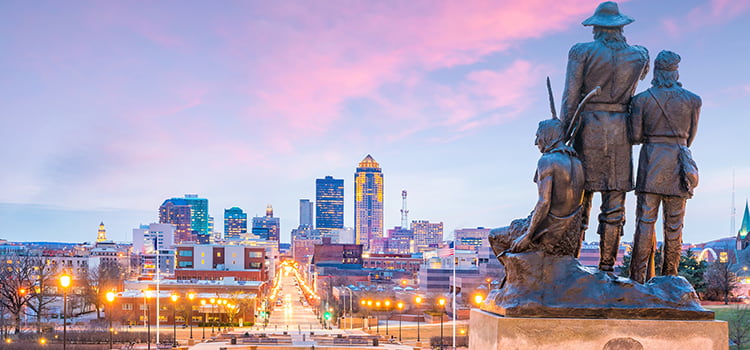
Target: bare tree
(41, 296)
(739, 326)
(18, 276)
(98, 282)
(720, 281)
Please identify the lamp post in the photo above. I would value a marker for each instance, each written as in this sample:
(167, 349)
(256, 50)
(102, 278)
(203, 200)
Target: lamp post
(174, 298)
(377, 325)
(441, 302)
(400, 306)
(418, 300)
(110, 299)
(65, 281)
(191, 297)
(387, 304)
(213, 302)
(369, 307)
(205, 317)
(146, 295)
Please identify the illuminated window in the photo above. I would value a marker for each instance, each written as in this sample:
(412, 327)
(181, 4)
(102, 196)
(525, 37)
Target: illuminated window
(218, 254)
(234, 255)
(203, 261)
(203, 254)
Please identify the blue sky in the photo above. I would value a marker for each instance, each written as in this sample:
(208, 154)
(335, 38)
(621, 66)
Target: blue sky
(110, 108)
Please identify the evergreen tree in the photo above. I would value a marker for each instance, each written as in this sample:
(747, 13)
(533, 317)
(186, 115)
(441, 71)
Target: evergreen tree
(693, 270)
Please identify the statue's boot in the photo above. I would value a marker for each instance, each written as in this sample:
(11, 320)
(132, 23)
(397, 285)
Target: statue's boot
(609, 244)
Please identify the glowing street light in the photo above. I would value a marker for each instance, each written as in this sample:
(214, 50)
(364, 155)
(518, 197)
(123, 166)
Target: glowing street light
(400, 306)
(191, 297)
(478, 299)
(387, 304)
(174, 298)
(418, 300)
(441, 302)
(205, 317)
(65, 281)
(110, 299)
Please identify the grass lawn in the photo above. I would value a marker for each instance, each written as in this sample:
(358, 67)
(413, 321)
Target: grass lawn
(725, 313)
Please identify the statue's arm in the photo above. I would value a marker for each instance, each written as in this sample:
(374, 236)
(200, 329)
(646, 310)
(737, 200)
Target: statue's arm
(694, 120)
(544, 187)
(573, 84)
(544, 201)
(636, 120)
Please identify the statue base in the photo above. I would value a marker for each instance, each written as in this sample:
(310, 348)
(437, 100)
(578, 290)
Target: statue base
(493, 332)
(540, 285)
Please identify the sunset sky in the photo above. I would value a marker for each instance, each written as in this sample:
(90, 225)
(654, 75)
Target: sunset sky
(108, 108)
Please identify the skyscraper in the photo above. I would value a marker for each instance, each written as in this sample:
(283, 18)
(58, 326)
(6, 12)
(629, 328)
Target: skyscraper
(177, 211)
(427, 235)
(198, 213)
(267, 227)
(235, 223)
(305, 213)
(368, 202)
(329, 204)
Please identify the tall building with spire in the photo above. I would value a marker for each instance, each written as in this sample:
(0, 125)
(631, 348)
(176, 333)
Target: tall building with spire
(329, 204)
(368, 202)
(101, 236)
(743, 239)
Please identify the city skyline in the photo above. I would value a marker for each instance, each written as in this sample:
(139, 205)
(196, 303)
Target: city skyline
(112, 107)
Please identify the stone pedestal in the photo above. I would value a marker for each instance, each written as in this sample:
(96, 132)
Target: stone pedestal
(493, 332)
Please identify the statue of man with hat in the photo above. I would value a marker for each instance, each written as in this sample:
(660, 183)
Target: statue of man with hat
(664, 119)
(601, 139)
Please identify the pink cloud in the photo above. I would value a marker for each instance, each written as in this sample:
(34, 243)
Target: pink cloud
(715, 12)
(312, 58)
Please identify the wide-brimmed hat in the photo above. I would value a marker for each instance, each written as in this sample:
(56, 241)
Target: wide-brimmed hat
(607, 14)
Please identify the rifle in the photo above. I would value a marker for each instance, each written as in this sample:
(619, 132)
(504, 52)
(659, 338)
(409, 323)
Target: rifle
(551, 100)
(575, 120)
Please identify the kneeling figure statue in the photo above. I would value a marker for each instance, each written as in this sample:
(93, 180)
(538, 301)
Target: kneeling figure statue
(554, 226)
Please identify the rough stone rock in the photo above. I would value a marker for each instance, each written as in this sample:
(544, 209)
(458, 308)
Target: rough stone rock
(540, 285)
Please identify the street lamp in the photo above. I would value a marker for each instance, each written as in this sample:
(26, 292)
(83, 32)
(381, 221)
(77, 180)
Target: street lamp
(441, 302)
(400, 306)
(205, 317)
(387, 310)
(213, 302)
(110, 299)
(174, 298)
(377, 325)
(65, 281)
(146, 295)
(191, 296)
(478, 299)
(418, 300)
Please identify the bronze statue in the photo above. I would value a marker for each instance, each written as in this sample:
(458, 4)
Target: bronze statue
(553, 227)
(664, 119)
(602, 140)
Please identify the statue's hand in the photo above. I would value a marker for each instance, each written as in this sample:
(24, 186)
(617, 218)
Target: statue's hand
(520, 244)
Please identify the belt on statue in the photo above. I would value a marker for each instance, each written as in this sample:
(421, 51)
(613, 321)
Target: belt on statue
(666, 139)
(605, 107)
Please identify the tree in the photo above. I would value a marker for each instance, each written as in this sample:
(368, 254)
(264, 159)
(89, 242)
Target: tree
(98, 282)
(693, 270)
(18, 277)
(739, 326)
(720, 281)
(624, 269)
(46, 274)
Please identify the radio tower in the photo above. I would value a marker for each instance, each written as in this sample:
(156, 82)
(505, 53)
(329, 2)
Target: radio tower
(404, 212)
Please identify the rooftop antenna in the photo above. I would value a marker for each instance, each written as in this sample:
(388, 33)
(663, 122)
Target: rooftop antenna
(404, 212)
